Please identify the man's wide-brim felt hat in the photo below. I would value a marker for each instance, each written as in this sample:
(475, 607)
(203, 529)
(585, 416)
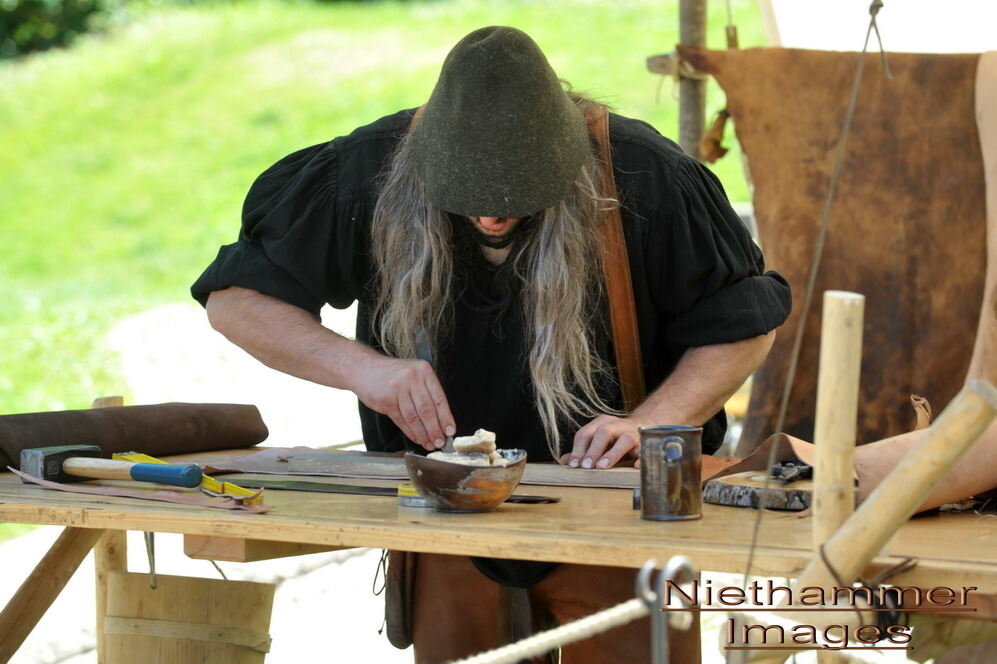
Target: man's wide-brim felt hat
(499, 136)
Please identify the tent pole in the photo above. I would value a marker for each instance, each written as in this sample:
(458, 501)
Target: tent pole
(692, 92)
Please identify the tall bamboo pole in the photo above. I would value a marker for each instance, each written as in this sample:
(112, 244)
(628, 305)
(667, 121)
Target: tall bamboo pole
(836, 417)
(863, 535)
(692, 92)
(893, 502)
(837, 412)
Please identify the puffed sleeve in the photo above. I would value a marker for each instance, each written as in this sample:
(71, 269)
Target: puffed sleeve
(298, 242)
(711, 281)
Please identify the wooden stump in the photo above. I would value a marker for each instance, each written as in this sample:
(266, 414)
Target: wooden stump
(746, 489)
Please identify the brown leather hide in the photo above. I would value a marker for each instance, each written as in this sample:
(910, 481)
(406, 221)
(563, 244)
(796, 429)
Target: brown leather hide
(907, 229)
(159, 429)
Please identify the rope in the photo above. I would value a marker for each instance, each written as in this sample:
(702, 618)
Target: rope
(839, 159)
(543, 642)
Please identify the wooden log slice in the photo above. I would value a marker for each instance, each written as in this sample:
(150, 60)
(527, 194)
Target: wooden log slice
(744, 490)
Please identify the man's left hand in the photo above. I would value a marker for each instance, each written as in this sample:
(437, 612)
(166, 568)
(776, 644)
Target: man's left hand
(604, 441)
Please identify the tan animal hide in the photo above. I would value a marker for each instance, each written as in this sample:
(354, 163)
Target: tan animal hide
(907, 228)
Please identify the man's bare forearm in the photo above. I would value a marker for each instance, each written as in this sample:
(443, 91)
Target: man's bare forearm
(698, 387)
(704, 379)
(286, 338)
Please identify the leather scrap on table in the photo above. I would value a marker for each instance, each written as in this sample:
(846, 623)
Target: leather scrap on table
(195, 499)
(922, 411)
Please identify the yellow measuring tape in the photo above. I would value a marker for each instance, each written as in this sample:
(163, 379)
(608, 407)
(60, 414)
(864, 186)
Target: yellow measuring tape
(207, 483)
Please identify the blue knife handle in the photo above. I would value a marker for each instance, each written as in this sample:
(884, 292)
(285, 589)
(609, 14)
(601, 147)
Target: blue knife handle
(188, 475)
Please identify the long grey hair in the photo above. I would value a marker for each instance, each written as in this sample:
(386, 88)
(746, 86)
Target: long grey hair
(558, 267)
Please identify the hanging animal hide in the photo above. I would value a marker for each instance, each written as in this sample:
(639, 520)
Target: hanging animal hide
(907, 228)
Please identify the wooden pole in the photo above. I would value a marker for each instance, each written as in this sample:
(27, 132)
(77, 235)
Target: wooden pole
(108, 402)
(109, 555)
(893, 502)
(42, 586)
(692, 92)
(850, 550)
(685, 646)
(837, 412)
(772, 36)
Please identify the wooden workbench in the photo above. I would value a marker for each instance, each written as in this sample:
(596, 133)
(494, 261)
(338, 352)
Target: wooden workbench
(589, 526)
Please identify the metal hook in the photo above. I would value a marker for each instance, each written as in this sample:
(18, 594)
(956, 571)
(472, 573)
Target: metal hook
(678, 570)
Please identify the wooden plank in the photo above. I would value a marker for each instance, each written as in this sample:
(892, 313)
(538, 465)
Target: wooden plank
(109, 555)
(187, 620)
(364, 465)
(241, 550)
(42, 586)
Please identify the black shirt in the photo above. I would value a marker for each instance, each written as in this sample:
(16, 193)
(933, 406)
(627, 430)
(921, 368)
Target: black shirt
(698, 278)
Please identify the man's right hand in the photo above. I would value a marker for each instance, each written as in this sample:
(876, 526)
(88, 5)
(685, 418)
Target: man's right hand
(291, 340)
(409, 392)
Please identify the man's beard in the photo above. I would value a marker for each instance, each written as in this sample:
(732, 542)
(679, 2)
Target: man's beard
(501, 241)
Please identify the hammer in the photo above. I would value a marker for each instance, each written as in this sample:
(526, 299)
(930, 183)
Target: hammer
(69, 463)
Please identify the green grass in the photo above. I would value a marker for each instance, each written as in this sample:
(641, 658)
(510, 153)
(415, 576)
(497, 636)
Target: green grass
(124, 160)
(12, 530)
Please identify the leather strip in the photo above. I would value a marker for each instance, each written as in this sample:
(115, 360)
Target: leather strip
(616, 269)
(198, 500)
(170, 629)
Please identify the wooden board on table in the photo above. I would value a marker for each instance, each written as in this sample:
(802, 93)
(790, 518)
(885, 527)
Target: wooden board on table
(374, 465)
(241, 550)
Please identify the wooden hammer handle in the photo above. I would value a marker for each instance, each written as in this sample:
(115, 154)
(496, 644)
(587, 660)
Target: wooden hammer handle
(104, 469)
(186, 475)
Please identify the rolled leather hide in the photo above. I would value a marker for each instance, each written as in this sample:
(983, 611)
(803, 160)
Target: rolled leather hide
(161, 429)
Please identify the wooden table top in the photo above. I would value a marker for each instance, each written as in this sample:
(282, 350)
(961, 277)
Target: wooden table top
(590, 526)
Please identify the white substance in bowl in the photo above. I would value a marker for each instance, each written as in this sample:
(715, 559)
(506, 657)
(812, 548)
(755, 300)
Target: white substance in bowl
(476, 450)
(481, 442)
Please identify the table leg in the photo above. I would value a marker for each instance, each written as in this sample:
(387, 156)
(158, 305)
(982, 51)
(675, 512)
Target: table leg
(109, 555)
(42, 586)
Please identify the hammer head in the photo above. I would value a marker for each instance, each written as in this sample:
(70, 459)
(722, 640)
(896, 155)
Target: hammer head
(46, 462)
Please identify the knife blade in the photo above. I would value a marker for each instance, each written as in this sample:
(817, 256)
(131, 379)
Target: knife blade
(332, 487)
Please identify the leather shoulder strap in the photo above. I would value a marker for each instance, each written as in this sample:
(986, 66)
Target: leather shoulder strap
(616, 270)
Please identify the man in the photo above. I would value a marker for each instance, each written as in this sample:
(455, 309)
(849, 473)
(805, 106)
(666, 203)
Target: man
(475, 226)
